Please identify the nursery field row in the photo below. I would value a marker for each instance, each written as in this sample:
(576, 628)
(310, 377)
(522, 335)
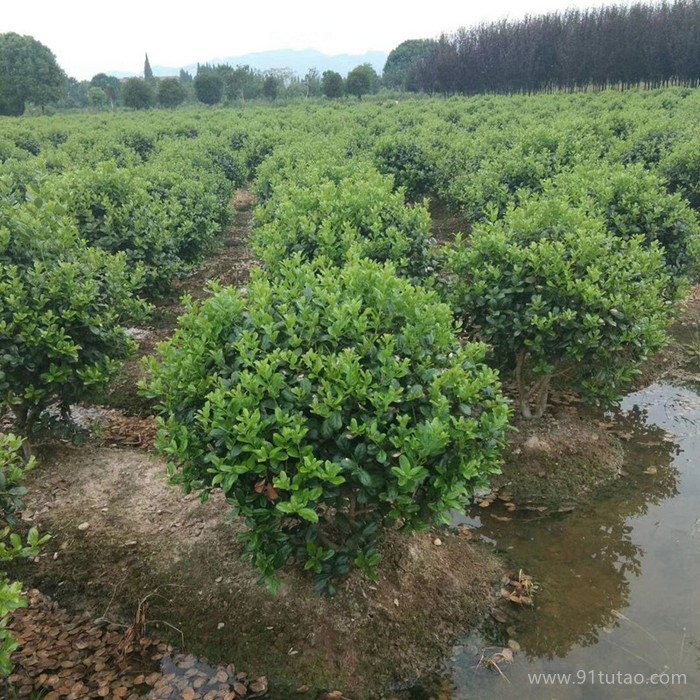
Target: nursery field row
(357, 383)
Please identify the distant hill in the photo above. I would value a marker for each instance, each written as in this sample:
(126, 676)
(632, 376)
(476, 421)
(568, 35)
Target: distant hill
(300, 61)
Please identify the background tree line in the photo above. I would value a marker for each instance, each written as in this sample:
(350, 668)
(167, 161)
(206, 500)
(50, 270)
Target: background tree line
(216, 84)
(30, 74)
(652, 45)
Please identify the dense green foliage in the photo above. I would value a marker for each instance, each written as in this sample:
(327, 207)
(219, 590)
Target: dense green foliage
(28, 73)
(138, 94)
(332, 84)
(111, 86)
(209, 87)
(115, 212)
(584, 235)
(555, 294)
(61, 308)
(317, 214)
(361, 80)
(682, 168)
(171, 92)
(327, 405)
(402, 63)
(13, 469)
(409, 162)
(634, 202)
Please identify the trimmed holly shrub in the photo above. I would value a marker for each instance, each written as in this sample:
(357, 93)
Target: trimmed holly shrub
(650, 147)
(190, 159)
(556, 295)
(495, 178)
(409, 163)
(327, 405)
(114, 212)
(634, 202)
(304, 162)
(13, 469)
(325, 217)
(195, 214)
(682, 168)
(61, 306)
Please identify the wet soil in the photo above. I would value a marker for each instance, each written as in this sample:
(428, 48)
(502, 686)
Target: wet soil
(558, 462)
(679, 360)
(615, 578)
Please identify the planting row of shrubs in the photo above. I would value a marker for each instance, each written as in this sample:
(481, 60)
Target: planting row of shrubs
(87, 231)
(355, 386)
(82, 244)
(336, 397)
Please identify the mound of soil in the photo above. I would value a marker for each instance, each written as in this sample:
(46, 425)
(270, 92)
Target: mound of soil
(558, 462)
(121, 534)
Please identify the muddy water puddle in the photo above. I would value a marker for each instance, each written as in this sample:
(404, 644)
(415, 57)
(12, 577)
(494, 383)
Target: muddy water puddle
(619, 581)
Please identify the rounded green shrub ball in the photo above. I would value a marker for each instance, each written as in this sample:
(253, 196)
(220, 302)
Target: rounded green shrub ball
(327, 404)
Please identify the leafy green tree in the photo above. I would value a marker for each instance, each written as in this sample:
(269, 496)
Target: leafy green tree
(400, 69)
(558, 296)
(110, 84)
(28, 73)
(332, 84)
(137, 94)
(171, 93)
(76, 94)
(246, 83)
(312, 83)
(361, 80)
(98, 98)
(209, 87)
(271, 87)
(327, 405)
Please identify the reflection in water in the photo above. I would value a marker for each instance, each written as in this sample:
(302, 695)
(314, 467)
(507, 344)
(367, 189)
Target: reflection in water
(584, 561)
(618, 579)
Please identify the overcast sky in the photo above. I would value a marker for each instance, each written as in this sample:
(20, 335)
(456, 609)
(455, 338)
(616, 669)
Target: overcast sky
(88, 37)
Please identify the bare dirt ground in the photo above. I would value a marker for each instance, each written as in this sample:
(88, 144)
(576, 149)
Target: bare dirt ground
(446, 223)
(558, 462)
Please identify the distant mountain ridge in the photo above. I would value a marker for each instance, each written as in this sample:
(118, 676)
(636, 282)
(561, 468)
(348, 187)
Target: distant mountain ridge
(300, 61)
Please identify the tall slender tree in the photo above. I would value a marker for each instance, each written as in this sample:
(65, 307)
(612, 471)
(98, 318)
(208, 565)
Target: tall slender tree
(147, 72)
